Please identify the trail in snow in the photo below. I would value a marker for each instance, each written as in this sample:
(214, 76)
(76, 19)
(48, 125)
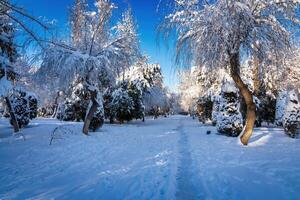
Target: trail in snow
(186, 188)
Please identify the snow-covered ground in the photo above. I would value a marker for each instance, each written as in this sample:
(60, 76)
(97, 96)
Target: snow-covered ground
(167, 158)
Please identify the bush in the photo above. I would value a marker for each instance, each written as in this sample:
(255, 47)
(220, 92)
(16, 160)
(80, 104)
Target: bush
(75, 107)
(136, 94)
(122, 105)
(108, 110)
(229, 118)
(24, 105)
(291, 117)
(204, 109)
(280, 106)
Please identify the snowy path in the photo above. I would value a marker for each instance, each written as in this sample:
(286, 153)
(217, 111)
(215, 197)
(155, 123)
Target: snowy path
(186, 188)
(167, 158)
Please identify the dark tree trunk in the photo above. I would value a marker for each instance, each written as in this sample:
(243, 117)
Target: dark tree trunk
(91, 113)
(247, 95)
(12, 115)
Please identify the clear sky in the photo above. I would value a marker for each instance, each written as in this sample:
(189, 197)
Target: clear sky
(145, 13)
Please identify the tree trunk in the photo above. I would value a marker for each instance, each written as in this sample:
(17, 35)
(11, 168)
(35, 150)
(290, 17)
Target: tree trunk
(256, 81)
(12, 115)
(91, 113)
(247, 95)
(256, 63)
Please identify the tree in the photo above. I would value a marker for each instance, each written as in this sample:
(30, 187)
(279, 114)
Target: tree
(136, 93)
(280, 106)
(216, 33)
(291, 117)
(11, 19)
(108, 110)
(204, 109)
(76, 104)
(155, 95)
(8, 55)
(122, 104)
(103, 52)
(189, 89)
(78, 23)
(229, 118)
(24, 105)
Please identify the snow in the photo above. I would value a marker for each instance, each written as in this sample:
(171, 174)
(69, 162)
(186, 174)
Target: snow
(166, 158)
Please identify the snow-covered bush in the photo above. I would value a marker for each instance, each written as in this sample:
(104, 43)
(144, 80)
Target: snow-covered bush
(204, 109)
(76, 104)
(122, 105)
(24, 105)
(280, 106)
(75, 107)
(108, 111)
(291, 117)
(133, 93)
(33, 105)
(136, 93)
(46, 111)
(229, 118)
(266, 110)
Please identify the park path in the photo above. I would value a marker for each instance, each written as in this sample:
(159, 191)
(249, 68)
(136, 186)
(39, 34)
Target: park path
(186, 171)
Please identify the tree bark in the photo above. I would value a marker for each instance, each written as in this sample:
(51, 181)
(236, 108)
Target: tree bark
(247, 95)
(91, 112)
(256, 63)
(256, 81)
(12, 115)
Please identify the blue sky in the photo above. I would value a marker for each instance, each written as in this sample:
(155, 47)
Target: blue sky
(145, 13)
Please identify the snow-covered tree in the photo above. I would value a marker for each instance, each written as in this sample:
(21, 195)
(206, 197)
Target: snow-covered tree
(280, 106)
(8, 55)
(78, 23)
(155, 95)
(291, 117)
(102, 55)
(135, 91)
(108, 109)
(137, 72)
(216, 33)
(153, 75)
(122, 104)
(189, 90)
(229, 118)
(24, 105)
(204, 109)
(127, 29)
(75, 106)
(12, 18)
